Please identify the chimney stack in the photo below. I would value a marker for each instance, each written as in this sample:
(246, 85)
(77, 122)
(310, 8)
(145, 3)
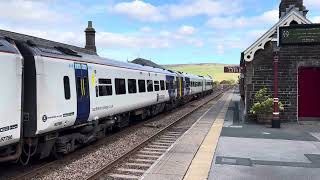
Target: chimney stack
(90, 37)
(286, 6)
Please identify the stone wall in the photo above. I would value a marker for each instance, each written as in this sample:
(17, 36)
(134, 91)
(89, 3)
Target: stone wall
(259, 74)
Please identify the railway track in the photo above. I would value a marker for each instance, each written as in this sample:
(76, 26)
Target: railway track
(147, 156)
(138, 160)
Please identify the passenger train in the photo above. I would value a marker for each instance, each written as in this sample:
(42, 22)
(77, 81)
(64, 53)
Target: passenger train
(54, 99)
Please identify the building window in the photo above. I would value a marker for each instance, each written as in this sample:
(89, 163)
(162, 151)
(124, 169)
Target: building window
(149, 85)
(66, 83)
(142, 85)
(120, 86)
(132, 86)
(162, 86)
(156, 86)
(105, 87)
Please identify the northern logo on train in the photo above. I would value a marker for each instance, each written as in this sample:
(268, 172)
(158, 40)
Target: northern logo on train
(44, 118)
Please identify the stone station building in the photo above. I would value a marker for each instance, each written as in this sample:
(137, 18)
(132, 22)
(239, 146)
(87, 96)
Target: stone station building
(299, 68)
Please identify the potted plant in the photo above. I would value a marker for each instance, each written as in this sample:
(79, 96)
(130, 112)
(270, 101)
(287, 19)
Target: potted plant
(263, 106)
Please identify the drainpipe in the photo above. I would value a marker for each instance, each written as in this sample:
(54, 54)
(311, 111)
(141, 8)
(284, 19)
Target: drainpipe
(276, 119)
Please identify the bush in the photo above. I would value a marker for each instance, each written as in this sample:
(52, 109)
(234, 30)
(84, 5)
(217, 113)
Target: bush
(264, 103)
(216, 83)
(228, 82)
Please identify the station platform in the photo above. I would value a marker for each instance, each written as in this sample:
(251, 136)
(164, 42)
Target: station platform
(190, 157)
(221, 145)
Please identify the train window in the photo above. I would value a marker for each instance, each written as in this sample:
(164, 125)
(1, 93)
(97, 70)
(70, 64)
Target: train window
(66, 83)
(162, 85)
(105, 87)
(79, 90)
(156, 86)
(104, 81)
(105, 90)
(86, 87)
(167, 85)
(120, 86)
(132, 86)
(142, 85)
(149, 85)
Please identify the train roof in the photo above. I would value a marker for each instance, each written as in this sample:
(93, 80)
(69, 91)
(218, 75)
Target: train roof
(7, 47)
(58, 50)
(192, 75)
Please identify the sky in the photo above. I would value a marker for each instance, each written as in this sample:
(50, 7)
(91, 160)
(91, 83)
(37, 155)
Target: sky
(164, 31)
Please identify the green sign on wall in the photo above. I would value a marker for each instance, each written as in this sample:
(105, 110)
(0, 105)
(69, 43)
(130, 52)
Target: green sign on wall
(300, 35)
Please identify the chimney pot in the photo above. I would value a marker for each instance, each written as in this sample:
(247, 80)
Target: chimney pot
(90, 37)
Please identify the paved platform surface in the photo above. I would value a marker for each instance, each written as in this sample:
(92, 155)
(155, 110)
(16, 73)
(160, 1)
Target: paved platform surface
(250, 151)
(175, 163)
(221, 146)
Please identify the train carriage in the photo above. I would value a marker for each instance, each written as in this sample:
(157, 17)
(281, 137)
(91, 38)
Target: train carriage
(68, 90)
(10, 98)
(70, 98)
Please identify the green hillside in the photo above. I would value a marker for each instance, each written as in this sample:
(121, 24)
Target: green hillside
(214, 70)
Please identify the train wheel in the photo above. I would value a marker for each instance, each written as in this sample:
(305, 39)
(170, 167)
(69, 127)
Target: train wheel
(56, 155)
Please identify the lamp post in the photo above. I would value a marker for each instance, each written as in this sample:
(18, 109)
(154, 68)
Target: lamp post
(276, 119)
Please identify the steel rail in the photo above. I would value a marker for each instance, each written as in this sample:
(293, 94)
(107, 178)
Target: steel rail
(109, 166)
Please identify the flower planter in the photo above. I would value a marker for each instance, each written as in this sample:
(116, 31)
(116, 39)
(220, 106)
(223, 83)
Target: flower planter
(264, 118)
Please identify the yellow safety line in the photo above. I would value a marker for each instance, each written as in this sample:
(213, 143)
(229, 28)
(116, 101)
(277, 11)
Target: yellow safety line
(201, 163)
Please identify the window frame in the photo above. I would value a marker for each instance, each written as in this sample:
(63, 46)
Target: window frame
(135, 86)
(104, 83)
(156, 85)
(67, 89)
(144, 86)
(150, 85)
(117, 85)
(162, 85)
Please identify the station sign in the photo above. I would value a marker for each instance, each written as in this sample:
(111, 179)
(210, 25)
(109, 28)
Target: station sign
(232, 69)
(300, 35)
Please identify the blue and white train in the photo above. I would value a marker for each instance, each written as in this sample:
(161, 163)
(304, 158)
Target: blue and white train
(55, 99)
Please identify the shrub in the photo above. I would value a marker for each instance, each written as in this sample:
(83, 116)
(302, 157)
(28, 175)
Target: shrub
(264, 103)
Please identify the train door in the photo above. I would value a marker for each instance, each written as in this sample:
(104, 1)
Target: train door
(170, 86)
(188, 89)
(83, 94)
(182, 86)
(178, 84)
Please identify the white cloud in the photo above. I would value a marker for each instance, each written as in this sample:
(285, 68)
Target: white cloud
(267, 18)
(114, 40)
(186, 30)
(315, 19)
(195, 42)
(146, 12)
(32, 11)
(203, 7)
(140, 10)
(315, 4)
(146, 29)
(224, 43)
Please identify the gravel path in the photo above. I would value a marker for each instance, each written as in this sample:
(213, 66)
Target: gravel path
(87, 160)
